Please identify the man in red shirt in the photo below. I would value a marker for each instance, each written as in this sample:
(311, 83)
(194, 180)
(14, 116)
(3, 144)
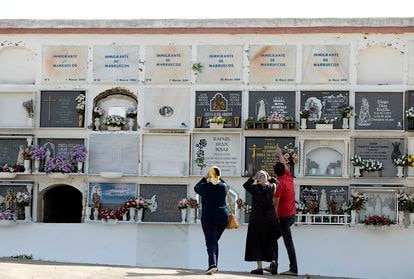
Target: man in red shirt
(284, 202)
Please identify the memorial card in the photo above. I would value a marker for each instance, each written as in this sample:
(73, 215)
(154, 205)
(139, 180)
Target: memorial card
(65, 64)
(220, 64)
(379, 111)
(216, 149)
(272, 64)
(325, 64)
(168, 64)
(115, 63)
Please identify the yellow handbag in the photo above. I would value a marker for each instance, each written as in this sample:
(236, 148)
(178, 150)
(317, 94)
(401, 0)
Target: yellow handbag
(233, 223)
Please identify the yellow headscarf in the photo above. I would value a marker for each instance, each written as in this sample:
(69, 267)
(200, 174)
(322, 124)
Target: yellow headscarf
(214, 178)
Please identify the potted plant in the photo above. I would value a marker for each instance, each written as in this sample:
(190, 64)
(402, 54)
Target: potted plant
(249, 123)
(114, 122)
(80, 108)
(182, 206)
(345, 114)
(78, 155)
(58, 167)
(358, 164)
(409, 113)
(217, 122)
(131, 114)
(29, 107)
(37, 153)
(324, 124)
(108, 216)
(400, 162)
(304, 115)
(97, 113)
(23, 200)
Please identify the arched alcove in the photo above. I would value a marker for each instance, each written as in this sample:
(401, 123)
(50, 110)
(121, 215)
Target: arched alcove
(17, 65)
(115, 101)
(380, 65)
(324, 161)
(62, 204)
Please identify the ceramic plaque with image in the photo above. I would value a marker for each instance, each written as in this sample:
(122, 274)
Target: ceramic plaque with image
(168, 64)
(166, 107)
(272, 64)
(220, 63)
(115, 63)
(110, 195)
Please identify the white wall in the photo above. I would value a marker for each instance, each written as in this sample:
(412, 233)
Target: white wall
(321, 250)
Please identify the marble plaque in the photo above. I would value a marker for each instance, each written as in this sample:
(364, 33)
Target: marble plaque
(9, 149)
(379, 110)
(411, 62)
(17, 65)
(159, 160)
(222, 150)
(65, 64)
(323, 195)
(12, 112)
(380, 202)
(266, 103)
(260, 153)
(113, 153)
(325, 64)
(111, 195)
(115, 63)
(381, 149)
(165, 199)
(323, 105)
(166, 107)
(221, 63)
(272, 64)
(168, 64)
(225, 104)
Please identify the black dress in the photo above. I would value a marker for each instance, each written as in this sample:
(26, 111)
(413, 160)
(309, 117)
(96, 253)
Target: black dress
(260, 240)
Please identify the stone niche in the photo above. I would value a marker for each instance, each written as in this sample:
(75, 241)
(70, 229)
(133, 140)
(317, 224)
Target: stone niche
(380, 65)
(17, 65)
(381, 201)
(115, 101)
(324, 158)
(12, 112)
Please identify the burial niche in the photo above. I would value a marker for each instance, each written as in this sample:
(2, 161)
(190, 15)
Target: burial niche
(62, 204)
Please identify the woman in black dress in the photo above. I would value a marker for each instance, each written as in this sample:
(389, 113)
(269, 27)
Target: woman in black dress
(260, 240)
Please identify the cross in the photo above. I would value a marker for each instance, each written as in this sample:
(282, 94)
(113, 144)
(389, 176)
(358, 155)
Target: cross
(49, 100)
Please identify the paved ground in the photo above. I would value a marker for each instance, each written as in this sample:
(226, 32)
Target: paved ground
(28, 269)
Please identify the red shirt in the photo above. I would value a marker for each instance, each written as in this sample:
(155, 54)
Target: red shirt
(285, 191)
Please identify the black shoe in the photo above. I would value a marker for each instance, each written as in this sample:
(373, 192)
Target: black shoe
(258, 271)
(273, 268)
(211, 270)
(289, 273)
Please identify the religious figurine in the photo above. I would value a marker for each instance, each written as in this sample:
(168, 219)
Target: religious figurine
(262, 110)
(96, 199)
(8, 202)
(323, 204)
(218, 103)
(20, 157)
(314, 105)
(364, 118)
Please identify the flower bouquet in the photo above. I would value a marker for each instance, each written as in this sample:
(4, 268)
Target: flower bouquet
(192, 203)
(141, 203)
(37, 152)
(378, 221)
(372, 165)
(346, 111)
(107, 214)
(97, 112)
(80, 103)
(400, 161)
(29, 106)
(405, 201)
(305, 113)
(325, 121)
(182, 204)
(357, 161)
(78, 153)
(216, 122)
(23, 199)
(8, 217)
(10, 168)
(60, 166)
(358, 200)
(115, 121)
(290, 153)
(409, 113)
(131, 113)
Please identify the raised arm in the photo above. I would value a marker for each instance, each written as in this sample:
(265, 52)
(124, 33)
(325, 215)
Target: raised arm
(279, 156)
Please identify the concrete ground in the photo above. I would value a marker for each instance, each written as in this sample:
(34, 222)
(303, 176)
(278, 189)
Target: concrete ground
(28, 269)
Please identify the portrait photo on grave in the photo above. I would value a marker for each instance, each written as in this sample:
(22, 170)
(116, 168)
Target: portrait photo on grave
(166, 111)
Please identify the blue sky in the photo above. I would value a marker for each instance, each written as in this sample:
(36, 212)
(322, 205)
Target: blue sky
(164, 9)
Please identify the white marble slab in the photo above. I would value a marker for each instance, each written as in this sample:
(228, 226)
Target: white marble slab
(17, 65)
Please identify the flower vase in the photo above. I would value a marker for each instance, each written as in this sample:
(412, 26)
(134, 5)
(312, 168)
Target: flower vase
(27, 164)
(132, 214)
(216, 125)
(88, 211)
(95, 213)
(131, 123)
(400, 217)
(27, 214)
(80, 120)
(80, 166)
(30, 122)
(97, 123)
(353, 217)
(124, 217)
(192, 216)
(345, 123)
(357, 171)
(36, 166)
(400, 171)
(183, 215)
(139, 217)
(303, 122)
(411, 216)
(239, 213)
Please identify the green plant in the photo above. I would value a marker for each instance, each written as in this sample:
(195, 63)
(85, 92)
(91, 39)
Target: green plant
(304, 114)
(197, 67)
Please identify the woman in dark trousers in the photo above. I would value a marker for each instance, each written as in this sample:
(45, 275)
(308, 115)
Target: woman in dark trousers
(260, 241)
(214, 214)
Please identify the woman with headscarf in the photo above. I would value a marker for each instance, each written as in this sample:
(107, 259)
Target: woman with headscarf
(214, 215)
(260, 240)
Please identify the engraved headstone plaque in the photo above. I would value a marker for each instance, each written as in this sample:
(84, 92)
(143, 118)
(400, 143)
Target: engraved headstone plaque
(325, 64)
(221, 63)
(65, 64)
(9, 149)
(271, 102)
(272, 64)
(115, 63)
(168, 64)
(324, 196)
